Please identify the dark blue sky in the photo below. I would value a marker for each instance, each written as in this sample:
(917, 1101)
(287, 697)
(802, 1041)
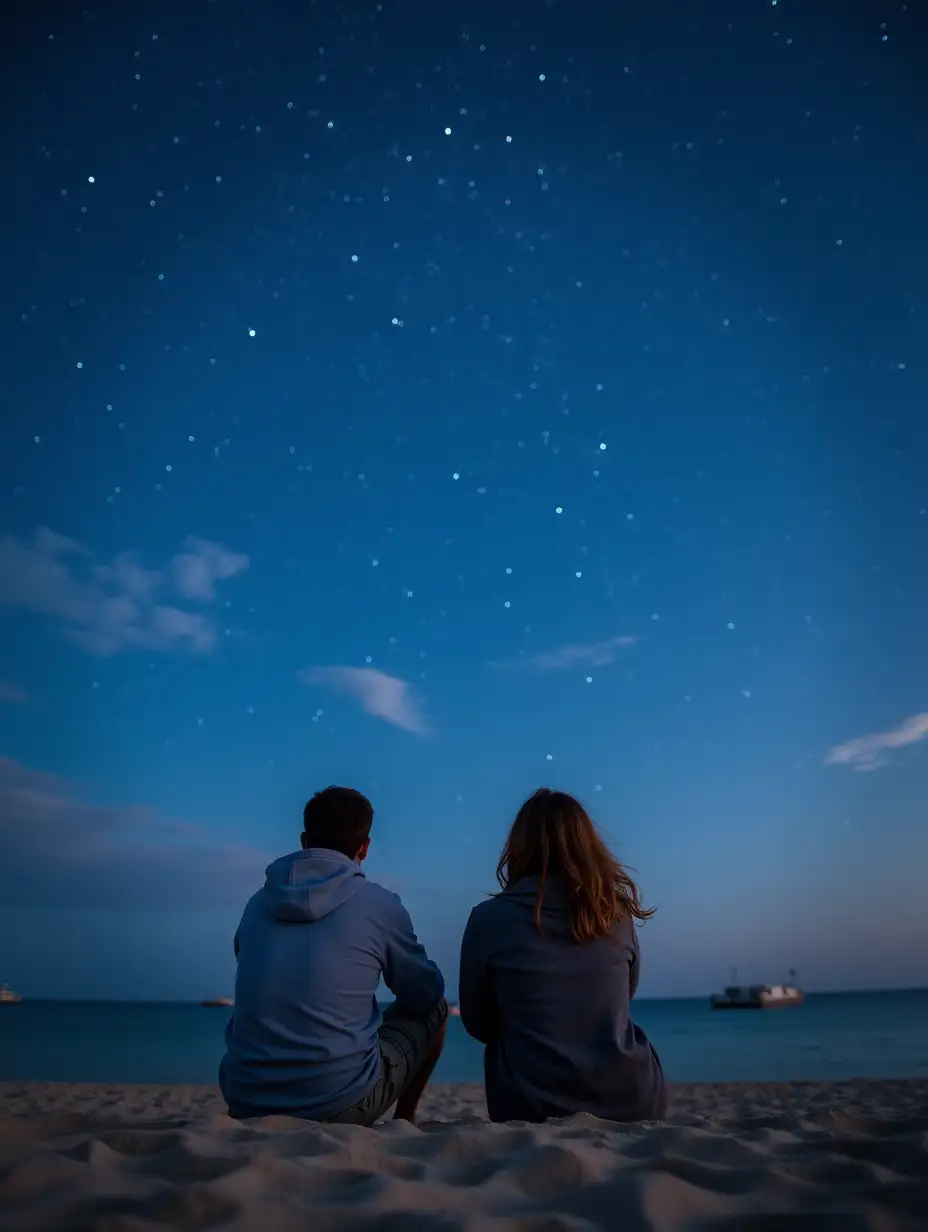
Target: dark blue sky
(447, 400)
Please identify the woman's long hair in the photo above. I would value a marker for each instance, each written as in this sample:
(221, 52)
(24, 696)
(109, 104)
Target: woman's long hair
(553, 834)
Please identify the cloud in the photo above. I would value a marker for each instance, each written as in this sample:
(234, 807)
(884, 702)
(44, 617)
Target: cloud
(108, 608)
(61, 850)
(196, 571)
(10, 693)
(385, 697)
(869, 752)
(590, 654)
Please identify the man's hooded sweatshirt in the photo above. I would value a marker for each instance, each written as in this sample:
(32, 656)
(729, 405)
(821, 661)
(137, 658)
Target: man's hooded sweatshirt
(312, 946)
(554, 1014)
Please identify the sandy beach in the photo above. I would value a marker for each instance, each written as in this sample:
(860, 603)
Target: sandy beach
(845, 1155)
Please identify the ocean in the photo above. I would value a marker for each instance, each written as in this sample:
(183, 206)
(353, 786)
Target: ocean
(831, 1036)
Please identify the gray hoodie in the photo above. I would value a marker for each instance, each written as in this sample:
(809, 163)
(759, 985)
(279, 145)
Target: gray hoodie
(555, 1015)
(312, 946)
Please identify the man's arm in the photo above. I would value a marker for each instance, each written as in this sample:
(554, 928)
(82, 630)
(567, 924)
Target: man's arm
(476, 995)
(408, 972)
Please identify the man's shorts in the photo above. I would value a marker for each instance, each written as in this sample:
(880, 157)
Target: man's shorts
(405, 1042)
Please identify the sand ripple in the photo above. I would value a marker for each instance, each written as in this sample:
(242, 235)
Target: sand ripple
(843, 1156)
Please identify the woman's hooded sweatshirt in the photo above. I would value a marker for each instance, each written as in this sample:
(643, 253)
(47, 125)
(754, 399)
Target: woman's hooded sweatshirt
(554, 1014)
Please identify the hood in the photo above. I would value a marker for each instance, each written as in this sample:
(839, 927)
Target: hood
(308, 885)
(525, 892)
(555, 909)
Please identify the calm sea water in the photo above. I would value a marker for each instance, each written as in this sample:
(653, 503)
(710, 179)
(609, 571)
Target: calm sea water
(846, 1035)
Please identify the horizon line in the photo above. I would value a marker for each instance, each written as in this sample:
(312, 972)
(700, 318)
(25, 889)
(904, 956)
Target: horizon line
(822, 992)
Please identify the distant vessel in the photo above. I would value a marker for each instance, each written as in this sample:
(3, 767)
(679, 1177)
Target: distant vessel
(226, 1001)
(8, 996)
(454, 1011)
(757, 996)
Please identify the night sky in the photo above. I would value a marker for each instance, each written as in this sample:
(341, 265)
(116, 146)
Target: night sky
(451, 399)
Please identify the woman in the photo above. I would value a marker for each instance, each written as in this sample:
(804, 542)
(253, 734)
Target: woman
(548, 969)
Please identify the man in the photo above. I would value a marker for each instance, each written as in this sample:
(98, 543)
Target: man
(306, 1037)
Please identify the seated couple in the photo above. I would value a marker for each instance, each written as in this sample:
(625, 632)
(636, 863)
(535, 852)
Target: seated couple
(548, 969)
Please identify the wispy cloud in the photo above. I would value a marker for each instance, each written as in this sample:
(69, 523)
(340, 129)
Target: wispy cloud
(61, 849)
(385, 697)
(589, 654)
(869, 752)
(196, 571)
(108, 608)
(10, 693)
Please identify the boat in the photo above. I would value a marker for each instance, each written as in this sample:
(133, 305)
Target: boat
(218, 1001)
(8, 995)
(758, 996)
(454, 1011)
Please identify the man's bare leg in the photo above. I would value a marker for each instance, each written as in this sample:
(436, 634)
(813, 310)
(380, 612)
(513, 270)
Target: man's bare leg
(408, 1102)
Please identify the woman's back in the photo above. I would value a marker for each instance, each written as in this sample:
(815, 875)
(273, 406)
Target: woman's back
(552, 1010)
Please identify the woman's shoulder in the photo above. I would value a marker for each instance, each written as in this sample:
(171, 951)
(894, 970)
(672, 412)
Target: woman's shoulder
(482, 925)
(487, 907)
(624, 930)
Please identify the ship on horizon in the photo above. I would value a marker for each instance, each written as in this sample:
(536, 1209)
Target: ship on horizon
(9, 996)
(758, 996)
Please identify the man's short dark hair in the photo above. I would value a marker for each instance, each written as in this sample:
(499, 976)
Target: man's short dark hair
(338, 818)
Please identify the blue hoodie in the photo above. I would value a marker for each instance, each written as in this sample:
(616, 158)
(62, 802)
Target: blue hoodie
(554, 1014)
(312, 946)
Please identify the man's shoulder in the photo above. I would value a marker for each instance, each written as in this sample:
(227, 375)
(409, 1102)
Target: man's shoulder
(380, 898)
(255, 903)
